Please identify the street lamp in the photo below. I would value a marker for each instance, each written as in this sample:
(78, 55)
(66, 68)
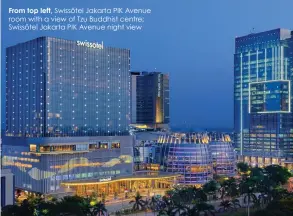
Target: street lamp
(248, 213)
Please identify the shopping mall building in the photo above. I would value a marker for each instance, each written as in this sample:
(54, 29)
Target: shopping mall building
(197, 157)
(67, 118)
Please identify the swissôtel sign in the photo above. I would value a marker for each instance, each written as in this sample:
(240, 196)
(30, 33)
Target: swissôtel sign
(90, 44)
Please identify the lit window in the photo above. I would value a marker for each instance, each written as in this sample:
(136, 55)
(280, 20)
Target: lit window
(33, 147)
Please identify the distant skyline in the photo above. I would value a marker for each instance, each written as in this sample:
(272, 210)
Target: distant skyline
(193, 41)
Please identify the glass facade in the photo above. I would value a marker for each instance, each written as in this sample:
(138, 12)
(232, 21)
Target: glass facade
(67, 113)
(223, 157)
(150, 98)
(262, 94)
(269, 97)
(42, 164)
(193, 161)
(57, 87)
(197, 156)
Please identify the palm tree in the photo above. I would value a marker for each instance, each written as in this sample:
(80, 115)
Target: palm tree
(200, 196)
(98, 209)
(153, 203)
(178, 209)
(139, 203)
(248, 190)
(235, 203)
(167, 201)
(198, 209)
(205, 208)
(211, 187)
(164, 212)
(229, 187)
(249, 196)
(184, 194)
(225, 205)
(191, 212)
(233, 191)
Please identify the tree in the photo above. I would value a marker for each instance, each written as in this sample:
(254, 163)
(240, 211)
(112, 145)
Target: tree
(164, 212)
(236, 203)
(70, 205)
(225, 205)
(98, 209)
(248, 189)
(191, 212)
(199, 209)
(211, 187)
(167, 201)
(196, 195)
(11, 210)
(242, 167)
(229, 188)
(27, 208)
(200, 196)
(205, 208)
(45, 208)
(153, 203)
(277, 208)
(184, 194)
(257, 175)
(178, 208)
(138, 202)
(277, 174)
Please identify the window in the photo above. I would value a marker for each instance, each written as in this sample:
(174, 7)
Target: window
(115, 145)
(93, 146)
(81, 147)
(33, 147)
(103, 145)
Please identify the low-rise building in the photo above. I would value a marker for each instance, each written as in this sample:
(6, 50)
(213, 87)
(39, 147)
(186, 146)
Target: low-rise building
(7, 187)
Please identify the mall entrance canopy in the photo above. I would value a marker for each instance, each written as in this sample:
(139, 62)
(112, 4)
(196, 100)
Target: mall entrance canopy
(143, 182)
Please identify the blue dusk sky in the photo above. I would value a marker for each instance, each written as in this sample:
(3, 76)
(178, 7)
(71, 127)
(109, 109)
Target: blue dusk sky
(192, 40)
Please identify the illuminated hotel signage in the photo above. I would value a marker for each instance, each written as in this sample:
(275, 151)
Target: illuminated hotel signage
(105, 179)
(90, 45)
(159, 85)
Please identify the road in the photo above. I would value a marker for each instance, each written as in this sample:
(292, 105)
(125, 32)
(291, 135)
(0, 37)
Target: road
(114, 206)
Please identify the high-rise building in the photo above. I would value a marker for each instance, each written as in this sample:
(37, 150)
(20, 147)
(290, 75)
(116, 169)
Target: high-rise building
(150, 100)
(57, 87)
(67, 113)
(263, 119)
